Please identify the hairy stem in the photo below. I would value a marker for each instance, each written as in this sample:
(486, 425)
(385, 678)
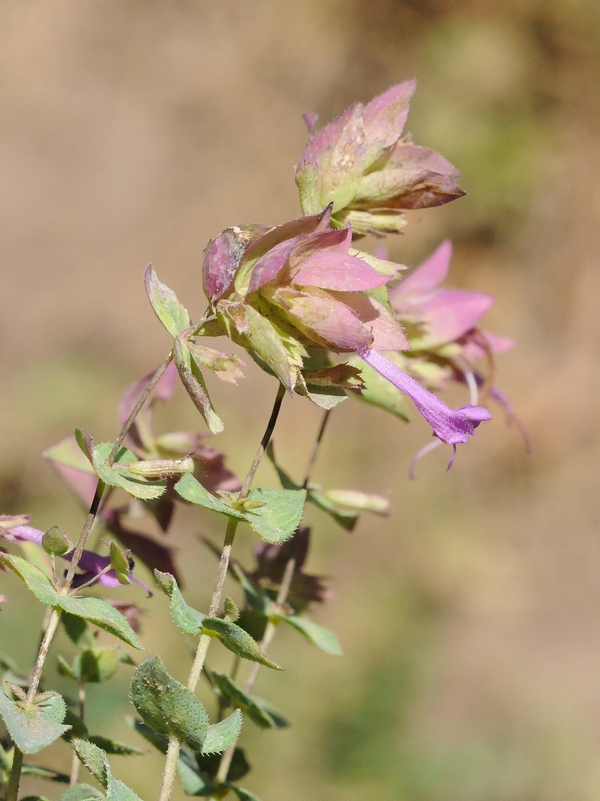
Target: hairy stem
(284, 589)
(138, 406)
(174, 746)
(15, 776)
(50, 629)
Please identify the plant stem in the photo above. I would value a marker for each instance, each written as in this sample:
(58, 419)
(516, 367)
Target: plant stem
(15, 775)
(174, 746)
(284, 589)
(75, 761)
(42, 655)
(138, 406)
(50, 629)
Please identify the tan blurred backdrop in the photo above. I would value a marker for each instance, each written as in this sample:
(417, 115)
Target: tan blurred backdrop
(132, 132)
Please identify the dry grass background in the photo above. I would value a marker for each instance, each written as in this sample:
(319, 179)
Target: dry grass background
(134, 131)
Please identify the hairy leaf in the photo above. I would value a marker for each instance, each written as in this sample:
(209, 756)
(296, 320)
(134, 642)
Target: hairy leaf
(39, 584)
(95, 760)
(187, 618)
(36, 725)
(280, 516)
(101, 614)
(255, 708)
(167, 307)
(192, 490)
(223, 734)
(237, 640)
(193, 381)
(137, 486)
(81, 792)
(166, 705)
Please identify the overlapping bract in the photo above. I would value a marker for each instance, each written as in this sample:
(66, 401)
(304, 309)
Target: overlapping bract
(287, 292)
(362, 164)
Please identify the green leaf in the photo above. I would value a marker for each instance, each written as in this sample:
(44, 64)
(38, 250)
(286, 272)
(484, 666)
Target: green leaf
(346, 518)
(34, 798)
(256, 599)
(96, 664)
(85, 442)
(159, 741)
(231, 609)
(81, 792)
(167, 307)
(323, 638)
(255, 708)
(95, 760)
(237, 640)
(192, 490)
(39, 584)
(36, 725)
(115, 747)
(137, 486)
(223, 734)
(65, 669)
(209, 764)
(166, 705)
(193, 381)
(243, 795)
(281, 515)
(38, 772)
(78, 631)
(187, 618)
(101, 614)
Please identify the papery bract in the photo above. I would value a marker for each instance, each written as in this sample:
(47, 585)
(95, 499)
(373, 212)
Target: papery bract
(361, 164)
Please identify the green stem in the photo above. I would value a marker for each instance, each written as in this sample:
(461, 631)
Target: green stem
(50, 630)
(15, 775)
(138, 406)
(170, 769)
(284, 589)
(75, 763)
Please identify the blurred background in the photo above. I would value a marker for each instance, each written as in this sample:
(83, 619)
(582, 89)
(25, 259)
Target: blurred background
(132, 132)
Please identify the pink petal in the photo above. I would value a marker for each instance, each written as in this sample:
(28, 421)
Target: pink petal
(387, 332)
(452, 312)
(337, 271)
(385, 116)
(268, 266)
(325, 320)
(426, 276)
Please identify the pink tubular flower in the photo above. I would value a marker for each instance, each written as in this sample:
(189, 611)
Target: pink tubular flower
(362, 164)
(93, 567)
(452, 426)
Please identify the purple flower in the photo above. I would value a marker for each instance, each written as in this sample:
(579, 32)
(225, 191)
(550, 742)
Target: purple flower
(452, 426)
(15, 529)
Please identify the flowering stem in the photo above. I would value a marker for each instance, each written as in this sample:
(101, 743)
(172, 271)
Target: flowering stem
(284, 589)
(174, 746)
(50, 629)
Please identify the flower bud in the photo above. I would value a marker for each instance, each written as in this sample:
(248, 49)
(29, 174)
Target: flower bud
(160, 468)
(56, 543)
